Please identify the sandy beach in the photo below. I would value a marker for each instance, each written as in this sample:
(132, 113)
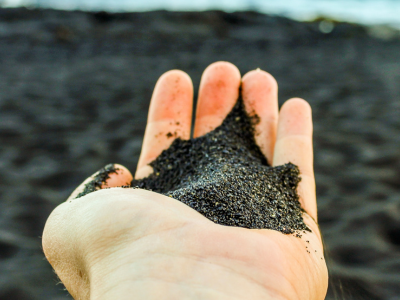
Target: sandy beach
(74, 93)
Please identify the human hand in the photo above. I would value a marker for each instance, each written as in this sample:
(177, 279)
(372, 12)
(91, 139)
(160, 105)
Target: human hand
(129, 243)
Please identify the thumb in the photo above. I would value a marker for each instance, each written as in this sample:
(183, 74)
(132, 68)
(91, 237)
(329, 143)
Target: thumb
(112, 175)
(68, 230)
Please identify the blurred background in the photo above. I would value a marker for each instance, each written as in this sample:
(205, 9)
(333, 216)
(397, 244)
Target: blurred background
(76, 78)
(362, 11)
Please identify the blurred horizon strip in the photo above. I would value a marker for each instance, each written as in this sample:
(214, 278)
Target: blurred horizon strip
(368, 12)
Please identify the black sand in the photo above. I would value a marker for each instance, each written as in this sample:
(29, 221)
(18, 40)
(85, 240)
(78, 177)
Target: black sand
(224, 176)
(74, 94)
(98, 180)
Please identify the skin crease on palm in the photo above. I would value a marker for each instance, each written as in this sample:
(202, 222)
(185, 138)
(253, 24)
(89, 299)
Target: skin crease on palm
(134, 244)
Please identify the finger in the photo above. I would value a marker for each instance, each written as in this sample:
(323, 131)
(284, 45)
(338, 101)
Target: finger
(260, 97)
(112, 175)
(170, 117)
(218, 93)
(294, 144)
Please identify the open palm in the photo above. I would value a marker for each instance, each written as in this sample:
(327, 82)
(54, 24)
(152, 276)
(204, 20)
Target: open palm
(135, 244)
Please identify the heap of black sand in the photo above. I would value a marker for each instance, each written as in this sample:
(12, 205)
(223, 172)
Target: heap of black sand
(225, 177)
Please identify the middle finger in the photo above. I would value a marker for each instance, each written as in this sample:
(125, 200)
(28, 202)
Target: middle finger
(218, 93)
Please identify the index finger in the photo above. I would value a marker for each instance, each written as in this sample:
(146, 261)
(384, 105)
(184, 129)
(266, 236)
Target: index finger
(170, 117)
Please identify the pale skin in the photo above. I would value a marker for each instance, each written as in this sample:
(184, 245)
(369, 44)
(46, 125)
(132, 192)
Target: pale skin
(122, 244)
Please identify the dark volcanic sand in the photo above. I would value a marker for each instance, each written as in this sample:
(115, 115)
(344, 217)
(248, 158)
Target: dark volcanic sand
(74, 95)
(224, 176)
(98, 180)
